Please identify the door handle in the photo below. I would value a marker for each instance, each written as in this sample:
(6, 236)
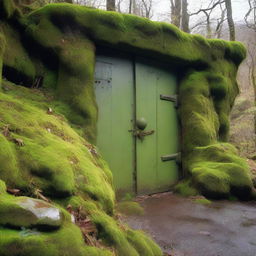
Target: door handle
(141, 134)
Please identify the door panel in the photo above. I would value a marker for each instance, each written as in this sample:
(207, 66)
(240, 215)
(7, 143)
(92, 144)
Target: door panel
(146, 80)
(167, 131)
(114, 95)
(152, 80)
(126, 91)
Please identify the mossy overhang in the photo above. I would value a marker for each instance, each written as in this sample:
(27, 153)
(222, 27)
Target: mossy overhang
(160, 40)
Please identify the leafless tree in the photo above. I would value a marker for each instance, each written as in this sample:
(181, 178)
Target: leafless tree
(143, 8)
(111, 5)
(209, 18)
(176, 12)
(250, 16)
(185, 17)
(231, 25)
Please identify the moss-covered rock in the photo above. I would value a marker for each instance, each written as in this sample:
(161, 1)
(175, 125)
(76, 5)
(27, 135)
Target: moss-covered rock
(53, 161)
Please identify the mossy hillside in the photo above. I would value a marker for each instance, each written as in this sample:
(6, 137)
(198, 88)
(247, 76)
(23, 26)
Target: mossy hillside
(54, 156)
(55, 161)
(2, 48)
(55, 243)
(18, 65)
(127, 242)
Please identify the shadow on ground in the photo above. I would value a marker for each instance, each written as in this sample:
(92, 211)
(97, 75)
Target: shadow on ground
(183, 227)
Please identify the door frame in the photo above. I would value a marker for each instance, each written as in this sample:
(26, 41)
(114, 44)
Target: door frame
(111, 52)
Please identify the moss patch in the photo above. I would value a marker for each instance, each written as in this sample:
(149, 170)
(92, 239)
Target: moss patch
(130, 208)
(53, 161)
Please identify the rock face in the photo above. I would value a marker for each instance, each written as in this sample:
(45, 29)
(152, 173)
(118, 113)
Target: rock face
(28, 213)
(46, 215)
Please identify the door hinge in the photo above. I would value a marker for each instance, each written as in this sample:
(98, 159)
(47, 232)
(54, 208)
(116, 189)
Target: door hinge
(176, 157)
(172, 98)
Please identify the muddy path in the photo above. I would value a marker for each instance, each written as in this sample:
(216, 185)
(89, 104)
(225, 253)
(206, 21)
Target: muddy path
(185, 228)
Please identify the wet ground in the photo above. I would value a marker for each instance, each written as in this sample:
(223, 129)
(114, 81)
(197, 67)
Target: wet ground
(185, 228)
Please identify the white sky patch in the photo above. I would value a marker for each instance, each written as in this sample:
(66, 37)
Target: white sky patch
(162, 9)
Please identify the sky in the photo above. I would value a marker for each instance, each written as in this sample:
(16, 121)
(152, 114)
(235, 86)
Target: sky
(163, 6)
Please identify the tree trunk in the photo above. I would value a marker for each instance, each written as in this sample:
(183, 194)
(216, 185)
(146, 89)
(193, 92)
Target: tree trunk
(111, 5)
(231, 24)
(130, 6)
(176, 12)
(185, 17)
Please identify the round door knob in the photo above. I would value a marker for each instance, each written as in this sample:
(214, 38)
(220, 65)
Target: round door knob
(141, 123)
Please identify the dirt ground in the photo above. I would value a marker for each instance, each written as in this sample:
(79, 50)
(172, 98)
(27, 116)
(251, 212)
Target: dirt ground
(183, 227)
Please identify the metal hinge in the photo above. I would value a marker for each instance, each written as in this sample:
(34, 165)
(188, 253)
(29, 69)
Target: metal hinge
(172, 98)
(176, 157)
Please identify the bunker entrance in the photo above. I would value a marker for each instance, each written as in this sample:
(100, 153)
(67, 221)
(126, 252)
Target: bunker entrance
(137, 122)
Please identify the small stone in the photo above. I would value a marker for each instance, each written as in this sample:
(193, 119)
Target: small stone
(30, 213)
(46, 214)
(49, 111)
(19, 142)
(205, 233)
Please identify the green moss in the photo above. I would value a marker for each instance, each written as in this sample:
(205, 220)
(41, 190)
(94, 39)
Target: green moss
(126, 241)
(2, 187)
(56, 243)
(7, 9)
(54, 157)
(143, 244)
(130, 208)
(202, 201)
(186, 189)
(218, 172)
(18, 66)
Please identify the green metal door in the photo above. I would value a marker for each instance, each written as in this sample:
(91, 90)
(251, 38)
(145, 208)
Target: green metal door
(114, 94)
(152, 83)
(127, 91)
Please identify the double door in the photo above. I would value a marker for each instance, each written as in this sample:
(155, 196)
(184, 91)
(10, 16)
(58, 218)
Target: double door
(137, 123)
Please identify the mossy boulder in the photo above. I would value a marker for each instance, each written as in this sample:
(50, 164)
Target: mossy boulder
(27, 212)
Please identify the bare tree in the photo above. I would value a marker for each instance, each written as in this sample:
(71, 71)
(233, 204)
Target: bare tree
(111, 5)
(176, 12)
(250, 16)
(214, 8)
(231, 25)
(185, 17)
(146, 8)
